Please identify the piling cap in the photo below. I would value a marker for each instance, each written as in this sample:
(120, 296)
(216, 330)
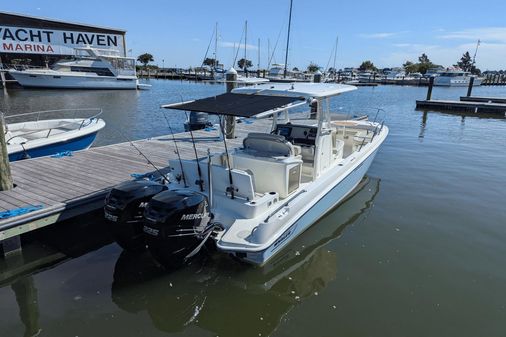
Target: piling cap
(231, 71)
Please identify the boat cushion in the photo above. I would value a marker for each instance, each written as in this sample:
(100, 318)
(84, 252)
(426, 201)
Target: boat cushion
(264, 144)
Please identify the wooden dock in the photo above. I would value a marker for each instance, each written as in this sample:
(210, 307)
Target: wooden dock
(464, 106)
(70, 186)
(501, 100)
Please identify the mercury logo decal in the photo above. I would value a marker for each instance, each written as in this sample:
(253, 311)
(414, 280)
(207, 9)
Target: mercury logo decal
(194, 216)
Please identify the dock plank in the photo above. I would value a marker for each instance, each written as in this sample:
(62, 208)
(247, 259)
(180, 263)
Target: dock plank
(73, 185)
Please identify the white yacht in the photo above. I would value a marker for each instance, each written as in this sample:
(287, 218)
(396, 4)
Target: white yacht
(455, 78)
(91, 68)
(277, 72)
(253, 200)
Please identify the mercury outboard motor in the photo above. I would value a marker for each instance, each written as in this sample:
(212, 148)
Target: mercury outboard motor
(176, 226)
(124, 208)
(197, 121)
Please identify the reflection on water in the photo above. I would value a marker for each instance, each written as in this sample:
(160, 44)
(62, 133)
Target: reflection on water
(26, 298)
(428, 251)
(215, 287)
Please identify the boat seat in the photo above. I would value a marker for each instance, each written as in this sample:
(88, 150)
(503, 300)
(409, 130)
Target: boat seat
(307, 153)
(268, 145)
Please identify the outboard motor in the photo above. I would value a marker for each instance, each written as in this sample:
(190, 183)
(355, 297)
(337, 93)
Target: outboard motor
(124, 207)
(197, 121)
(176, 226)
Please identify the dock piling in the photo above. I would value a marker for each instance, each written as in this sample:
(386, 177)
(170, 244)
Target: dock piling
(470, 87)
(5, 170)
(231, 78)
(429, 89)
(11, 246)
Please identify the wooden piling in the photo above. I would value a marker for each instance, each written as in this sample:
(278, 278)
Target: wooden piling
(470, 87)
(231, 78)
(429, 89)
(5, 170)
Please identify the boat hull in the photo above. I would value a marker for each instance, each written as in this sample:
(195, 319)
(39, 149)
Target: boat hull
(325, 204)
(75, 144)
(442, 81)
(65, 81)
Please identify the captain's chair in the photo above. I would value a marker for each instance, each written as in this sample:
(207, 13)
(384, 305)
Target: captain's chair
(268, 145)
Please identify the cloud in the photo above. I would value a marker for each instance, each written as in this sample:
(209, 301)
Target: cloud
(381, 35)
(489, 34)
(228, 44)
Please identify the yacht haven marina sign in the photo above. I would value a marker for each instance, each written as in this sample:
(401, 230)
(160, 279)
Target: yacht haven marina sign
(58, 42)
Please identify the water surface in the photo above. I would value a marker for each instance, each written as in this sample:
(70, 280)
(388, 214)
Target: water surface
(418, 250)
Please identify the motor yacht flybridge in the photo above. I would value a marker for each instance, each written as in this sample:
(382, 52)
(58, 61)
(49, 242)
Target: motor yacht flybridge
(253, 200)
(91, 68)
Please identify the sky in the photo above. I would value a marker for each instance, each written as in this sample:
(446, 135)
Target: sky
(388, 33)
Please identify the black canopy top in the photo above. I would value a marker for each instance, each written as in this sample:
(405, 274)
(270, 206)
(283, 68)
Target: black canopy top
(240, 105)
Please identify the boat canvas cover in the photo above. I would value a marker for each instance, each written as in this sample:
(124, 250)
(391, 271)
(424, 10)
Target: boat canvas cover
(239, 105)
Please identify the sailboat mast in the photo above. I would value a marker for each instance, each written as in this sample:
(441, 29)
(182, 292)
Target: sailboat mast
(288, 39)
(258, 65)
(216, 46)
(268, 53)
(335, 55)
(245, 38)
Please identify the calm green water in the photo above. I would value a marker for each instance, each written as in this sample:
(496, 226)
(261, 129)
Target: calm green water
(418, 250)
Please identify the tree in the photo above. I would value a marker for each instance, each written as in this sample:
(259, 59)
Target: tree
(244, 63)
(210, 62)
(424, 59)
(313, 67)
(145, 59)
(425, 64)
(295, 69)
(466, 63)
(410, 67)
(367, 66)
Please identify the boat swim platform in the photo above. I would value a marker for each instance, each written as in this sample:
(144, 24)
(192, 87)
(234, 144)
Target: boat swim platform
(463, 106)
(70, 186)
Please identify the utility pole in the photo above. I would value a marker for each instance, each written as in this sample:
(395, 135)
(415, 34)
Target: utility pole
(5, 170)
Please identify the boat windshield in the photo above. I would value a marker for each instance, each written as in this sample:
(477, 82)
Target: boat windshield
(453, 74)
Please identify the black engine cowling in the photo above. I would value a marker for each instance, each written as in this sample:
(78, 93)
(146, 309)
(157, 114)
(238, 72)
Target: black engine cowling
(124, 208)
(176, 223)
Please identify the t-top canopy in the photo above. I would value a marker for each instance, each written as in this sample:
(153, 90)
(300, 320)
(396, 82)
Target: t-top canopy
(306, 90)
(236, 104)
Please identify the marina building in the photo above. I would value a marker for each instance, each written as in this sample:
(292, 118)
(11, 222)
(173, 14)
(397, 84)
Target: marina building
(39, 42)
